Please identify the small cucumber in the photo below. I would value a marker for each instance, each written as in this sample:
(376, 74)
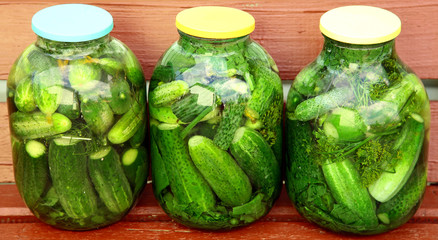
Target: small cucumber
(186, 182)
(163, 114)
(47, 88)
(135, 165)
(68, 171)
(321, 104)
(256, 158)
(133, 69)
(406, 200)
(224, 176)
(97, 114)
(121, 98)
(343, 124)
(24, 97)
(36, 125)
(344, 182)
(390, 183)
(130, 122)
(21, 69)
(293, 99)
(168, 93)
(111, 66)
(32, 172)
(311, 80)
(232, 116)
(109, 180)
(40, 61)
(83, 75)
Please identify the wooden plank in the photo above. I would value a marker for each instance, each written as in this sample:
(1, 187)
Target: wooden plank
(287, 29)
(171, 230)
(6, 173)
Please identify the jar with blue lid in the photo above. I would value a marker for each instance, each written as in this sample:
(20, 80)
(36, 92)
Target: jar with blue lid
(77, 100)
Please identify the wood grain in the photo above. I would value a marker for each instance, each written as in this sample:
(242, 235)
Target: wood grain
(148, 221)
(287, 29)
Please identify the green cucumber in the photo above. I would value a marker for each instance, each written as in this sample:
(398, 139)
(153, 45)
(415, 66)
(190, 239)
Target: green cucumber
(111, 66)
(232, 116)
(135, 165)
(130, 122)
(120, 100)
(168, 93)
(98, 115)
(32, 172)
(256, 158)
(160, 180)
(293, 99)
(261, 99)
(224, 176)
(321, 104)
(344, 182)
(83, 75)
(109, 180)
(186, 182)
(311, 80)
(40, 61)
(68, 171)
(133, 69)
(21, 69)
(47, 88)
(69, 105)
(24, 96)
(36, 125)
(406, 200)
(343, 124)
(390, 183)
(163, 114)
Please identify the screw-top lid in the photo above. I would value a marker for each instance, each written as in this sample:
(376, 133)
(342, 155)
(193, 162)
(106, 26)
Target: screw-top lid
(72, 23)
(215, 22)
(360, 25)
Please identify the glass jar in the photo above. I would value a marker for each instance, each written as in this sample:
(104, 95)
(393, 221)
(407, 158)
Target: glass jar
(77, 100)
(215, 102)
(357, 128)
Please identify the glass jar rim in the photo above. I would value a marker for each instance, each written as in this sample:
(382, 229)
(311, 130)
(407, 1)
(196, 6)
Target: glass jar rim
(215, 22)
(360, 24)
(72, 23)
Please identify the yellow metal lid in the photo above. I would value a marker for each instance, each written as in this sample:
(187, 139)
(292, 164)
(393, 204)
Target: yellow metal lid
(215, 22)
(360, 25)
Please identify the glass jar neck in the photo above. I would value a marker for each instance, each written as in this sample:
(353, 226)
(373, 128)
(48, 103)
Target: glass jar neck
(71, 49)
(213, 43)
(354, 53)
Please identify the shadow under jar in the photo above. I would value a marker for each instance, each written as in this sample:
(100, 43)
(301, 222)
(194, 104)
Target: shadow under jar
(357, 128)
(215, 103)
(77, 101)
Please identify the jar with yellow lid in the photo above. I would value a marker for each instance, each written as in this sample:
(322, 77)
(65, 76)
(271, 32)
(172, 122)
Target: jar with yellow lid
(357, 127)
(215, 113)
(77, 115)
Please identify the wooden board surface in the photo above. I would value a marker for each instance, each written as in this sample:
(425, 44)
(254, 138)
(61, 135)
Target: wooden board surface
(6, 169)
(289, 30)
(148, 221)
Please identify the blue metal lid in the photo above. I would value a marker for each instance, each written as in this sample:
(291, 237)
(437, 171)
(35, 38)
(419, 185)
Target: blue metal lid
(72, 23)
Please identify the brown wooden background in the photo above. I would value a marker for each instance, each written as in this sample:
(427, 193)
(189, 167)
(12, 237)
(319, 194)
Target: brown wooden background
(289, 30)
